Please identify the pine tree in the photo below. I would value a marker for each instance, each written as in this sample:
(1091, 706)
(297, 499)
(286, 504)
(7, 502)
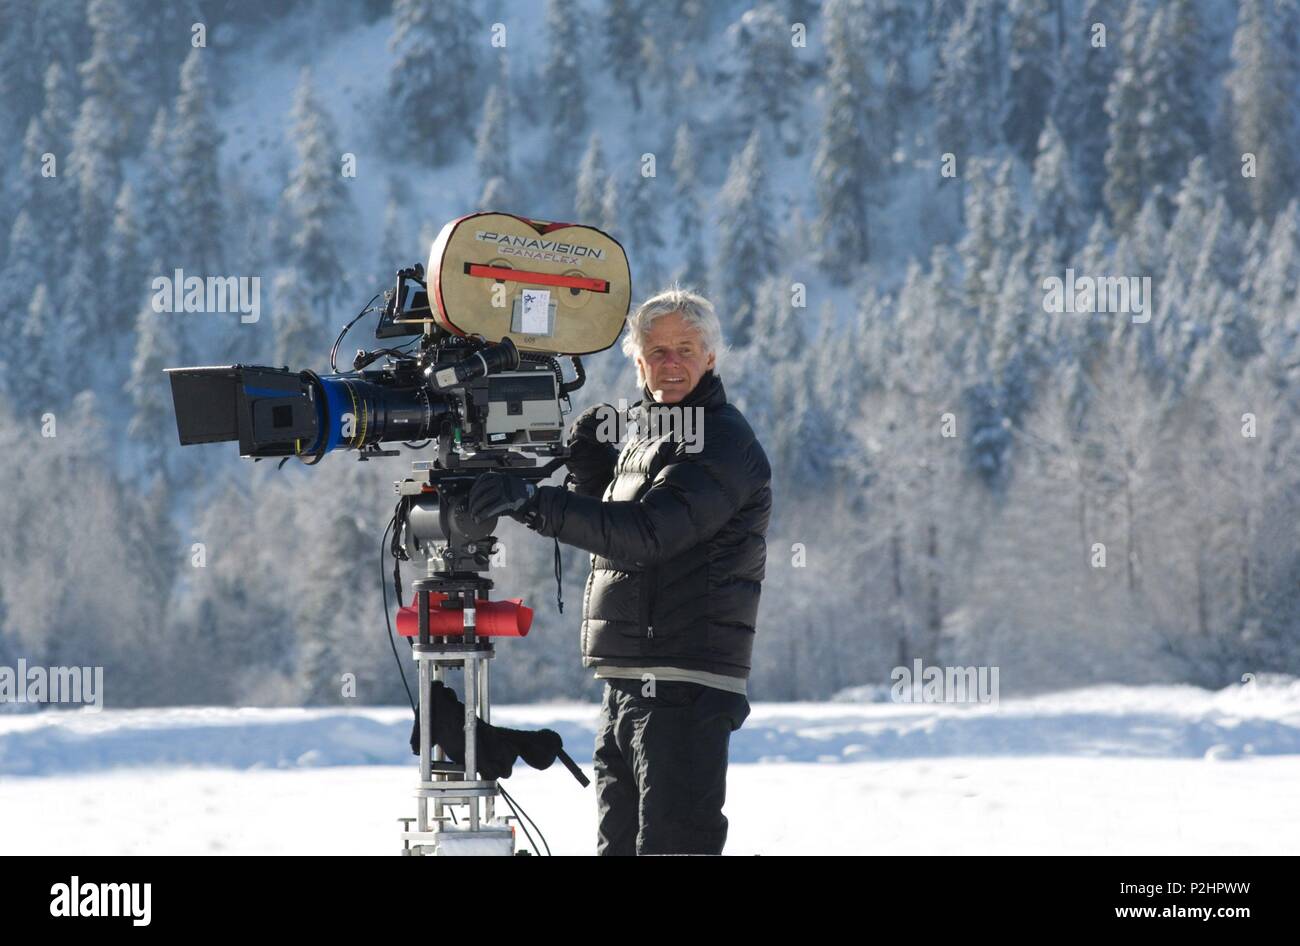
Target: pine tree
(640, 227)
(940, 17)
(433, 79)
(1175, 101)
(563, 77)
(126, 282)
(624, 30)
(20, 75)
(27, 192)
(299, 328)
(56, 197)
(329, 646)
(497, 195)
(1080, 107)
(890, 33)
(609, 206)
(1029, 88)
(693, 268)
(59, 110)
(1273, 284)
(1216, 274)
(22, 271)
(846, 161)
(396, 241)
(1125, 185)
(1192, 203)
(1261, 87)
(1057, 205)
(83, 280)
(147, 389)
(746, 244)
(157, 193)
(104, 124)
(317, 201)
(167, 32)
(969, 76)
(768, 85)
(195, 144)
(492, 148)
(40, 357)
(590, 186)
(674, 32)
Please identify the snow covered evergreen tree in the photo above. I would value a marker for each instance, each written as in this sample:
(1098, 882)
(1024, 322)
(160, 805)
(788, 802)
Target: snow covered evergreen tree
(152, 422)
(434, 75)
(40, 356)
(693, 270)
(1175, 101)
(640, 228)
(196, 185)
(126, 281)
(317, 202)
(20, 72)
(1261, 88)
(623, 28)
(848, 158)
(22, 270)
(299, 326)
(492, 147)
(1058, 206)
(767, 78)
(1032, 70)
(968, 75)
(746, 247)
(565, 82)
(1125, 182)
(610, 210)
(157, 196)
(104, 124)
(1080, 105)
(591, 182)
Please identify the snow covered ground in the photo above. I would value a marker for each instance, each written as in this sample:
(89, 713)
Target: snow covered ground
(1105, 770)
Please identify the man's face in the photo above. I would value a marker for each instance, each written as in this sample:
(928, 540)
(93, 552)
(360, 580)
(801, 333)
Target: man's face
(672, 358)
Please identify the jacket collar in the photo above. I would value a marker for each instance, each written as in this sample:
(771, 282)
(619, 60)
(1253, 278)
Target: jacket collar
(707, 393)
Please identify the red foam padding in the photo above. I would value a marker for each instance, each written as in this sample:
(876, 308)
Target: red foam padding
(506, 618)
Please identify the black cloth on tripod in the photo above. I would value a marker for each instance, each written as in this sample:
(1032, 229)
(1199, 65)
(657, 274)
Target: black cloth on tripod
(497, 748)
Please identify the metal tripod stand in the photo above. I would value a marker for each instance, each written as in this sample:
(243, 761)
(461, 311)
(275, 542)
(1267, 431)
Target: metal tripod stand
(457, 550)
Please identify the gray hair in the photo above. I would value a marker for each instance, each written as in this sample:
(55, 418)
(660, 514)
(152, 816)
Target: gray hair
(696, 310)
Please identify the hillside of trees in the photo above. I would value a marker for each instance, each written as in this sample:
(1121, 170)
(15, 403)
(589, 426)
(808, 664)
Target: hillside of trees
(875, 193)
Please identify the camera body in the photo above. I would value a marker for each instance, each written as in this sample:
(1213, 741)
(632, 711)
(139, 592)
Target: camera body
(543, 289)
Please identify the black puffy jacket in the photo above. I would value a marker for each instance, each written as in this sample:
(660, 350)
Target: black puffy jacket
(678, 541)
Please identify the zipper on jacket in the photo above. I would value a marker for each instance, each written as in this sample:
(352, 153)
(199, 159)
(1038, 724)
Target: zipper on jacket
(650, 575)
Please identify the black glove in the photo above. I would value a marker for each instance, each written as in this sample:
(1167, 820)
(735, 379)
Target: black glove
(495, 493)
(590, 460)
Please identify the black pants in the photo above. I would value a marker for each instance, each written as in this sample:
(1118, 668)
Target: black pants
(661, 767)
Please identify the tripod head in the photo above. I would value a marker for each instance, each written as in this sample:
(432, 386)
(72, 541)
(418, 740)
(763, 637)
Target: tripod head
(433, 520)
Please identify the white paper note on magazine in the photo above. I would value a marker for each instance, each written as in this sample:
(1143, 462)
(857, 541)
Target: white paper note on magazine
(535, 311)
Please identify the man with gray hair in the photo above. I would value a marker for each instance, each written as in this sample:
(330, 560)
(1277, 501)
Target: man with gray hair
(676, 527)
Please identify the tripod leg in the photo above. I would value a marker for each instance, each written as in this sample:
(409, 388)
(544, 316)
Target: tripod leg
(485, 713)
(471, 720)
(426, 768)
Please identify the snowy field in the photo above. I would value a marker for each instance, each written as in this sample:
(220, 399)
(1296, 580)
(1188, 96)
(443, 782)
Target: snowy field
(1105, 770)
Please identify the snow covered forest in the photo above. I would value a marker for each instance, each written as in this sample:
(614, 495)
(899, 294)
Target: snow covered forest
(876, 194)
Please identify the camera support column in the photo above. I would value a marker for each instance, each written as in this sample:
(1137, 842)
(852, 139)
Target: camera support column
(448, 785)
